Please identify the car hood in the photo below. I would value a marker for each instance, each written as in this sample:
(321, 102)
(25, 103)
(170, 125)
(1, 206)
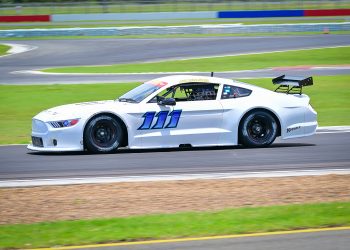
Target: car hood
(78, 110)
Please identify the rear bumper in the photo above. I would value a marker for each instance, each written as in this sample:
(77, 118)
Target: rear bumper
(296, 128)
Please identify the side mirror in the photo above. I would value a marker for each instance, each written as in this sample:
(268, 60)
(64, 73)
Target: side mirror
(166, 101)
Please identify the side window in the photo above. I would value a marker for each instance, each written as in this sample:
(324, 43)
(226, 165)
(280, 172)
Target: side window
(229, 92)
(193, 91)
(197, 91)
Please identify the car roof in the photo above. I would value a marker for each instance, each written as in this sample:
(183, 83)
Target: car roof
(176, 79)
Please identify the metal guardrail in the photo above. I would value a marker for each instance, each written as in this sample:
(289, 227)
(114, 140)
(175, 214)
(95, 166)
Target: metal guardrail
(124, 6)
(192, 29)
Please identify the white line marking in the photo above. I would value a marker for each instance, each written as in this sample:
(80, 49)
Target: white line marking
(333, 130)
(18, 48)
(184, 58)
(7, 145)
(101, 180)
(264, 52)
(331, 67)
(335, 127)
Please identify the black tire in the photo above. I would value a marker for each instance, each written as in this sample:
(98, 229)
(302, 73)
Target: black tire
(103, 134)
(258, 129)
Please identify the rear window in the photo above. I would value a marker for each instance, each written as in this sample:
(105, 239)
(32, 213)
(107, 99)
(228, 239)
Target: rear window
(230, 91)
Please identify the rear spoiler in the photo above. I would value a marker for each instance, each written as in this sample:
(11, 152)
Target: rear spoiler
(291, 85)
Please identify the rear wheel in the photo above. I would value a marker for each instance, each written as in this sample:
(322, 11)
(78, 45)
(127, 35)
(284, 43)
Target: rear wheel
(103, 134)
(258, 129)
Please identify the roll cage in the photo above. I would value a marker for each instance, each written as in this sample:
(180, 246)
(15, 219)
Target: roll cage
(196, 91)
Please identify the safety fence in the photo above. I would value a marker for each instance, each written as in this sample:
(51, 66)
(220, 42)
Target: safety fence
(282, 13)
(42, 7)
(175, 15)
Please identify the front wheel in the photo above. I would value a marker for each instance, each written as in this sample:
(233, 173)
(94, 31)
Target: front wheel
(258, 129)
(103, 134)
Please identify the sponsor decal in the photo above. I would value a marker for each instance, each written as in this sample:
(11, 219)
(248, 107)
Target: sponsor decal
(293, 129)
(161, 119)
(158, 83)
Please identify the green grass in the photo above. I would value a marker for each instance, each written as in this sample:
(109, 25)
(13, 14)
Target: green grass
(18, 104)
(4, 49)
(328, 56)
(181, 225)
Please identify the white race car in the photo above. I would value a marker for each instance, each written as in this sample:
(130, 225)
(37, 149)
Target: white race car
(180, 111)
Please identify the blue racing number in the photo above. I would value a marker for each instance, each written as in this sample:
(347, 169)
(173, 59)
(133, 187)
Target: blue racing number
(161, 119)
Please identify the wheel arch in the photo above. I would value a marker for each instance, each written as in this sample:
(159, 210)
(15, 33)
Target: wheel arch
(125, 141)
(259, 109)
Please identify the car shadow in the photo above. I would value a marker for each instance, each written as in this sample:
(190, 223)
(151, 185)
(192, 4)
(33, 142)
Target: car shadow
(160, 150)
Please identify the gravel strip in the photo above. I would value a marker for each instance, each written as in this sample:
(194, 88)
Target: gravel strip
(50, 203)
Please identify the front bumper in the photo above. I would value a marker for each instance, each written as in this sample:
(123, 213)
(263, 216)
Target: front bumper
(56, 139)
(56, 149)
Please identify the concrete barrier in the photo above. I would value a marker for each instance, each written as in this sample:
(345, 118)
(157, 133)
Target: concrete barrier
(282, 13)
(260, 13)
(133, 16)
(334, 12)
(166, 30)
(175, 15)
(35, 18)
(198, 15)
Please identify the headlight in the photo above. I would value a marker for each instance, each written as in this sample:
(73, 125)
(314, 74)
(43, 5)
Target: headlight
(64, 123)
(39, 126)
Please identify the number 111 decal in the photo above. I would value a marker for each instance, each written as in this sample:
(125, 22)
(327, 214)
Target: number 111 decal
(161, 119)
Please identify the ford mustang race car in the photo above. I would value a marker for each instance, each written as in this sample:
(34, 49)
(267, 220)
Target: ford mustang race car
(177, 111)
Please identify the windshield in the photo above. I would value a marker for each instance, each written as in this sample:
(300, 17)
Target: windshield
(141, 92)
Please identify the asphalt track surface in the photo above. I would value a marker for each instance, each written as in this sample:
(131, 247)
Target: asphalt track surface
(321, 151)
(330, 240)
(55, 53)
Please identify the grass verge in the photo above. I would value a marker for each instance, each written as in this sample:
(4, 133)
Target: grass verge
(327, 56)
(18, 104)
(4, 49)
(181, 225)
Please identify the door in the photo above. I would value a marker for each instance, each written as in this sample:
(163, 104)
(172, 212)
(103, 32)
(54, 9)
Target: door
(195, 119)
